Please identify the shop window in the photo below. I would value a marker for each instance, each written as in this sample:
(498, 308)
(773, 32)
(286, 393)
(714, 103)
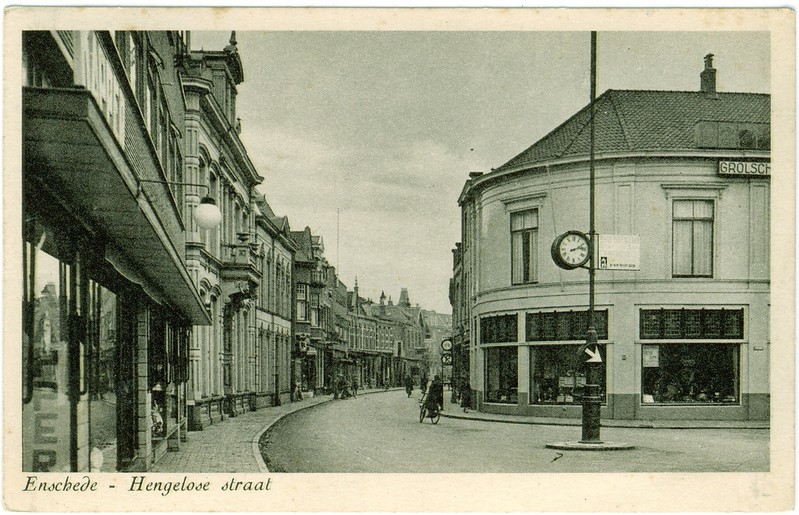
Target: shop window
(502, 375)
(564, 326)
(524, 246)
(690, 374)
(498, 329)
(102, 340)
(558, 376)
(156, 358)
(48, 290)
(692, 238)
(700, 324)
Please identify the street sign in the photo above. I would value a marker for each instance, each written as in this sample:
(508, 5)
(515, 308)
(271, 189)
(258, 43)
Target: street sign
(618, 252)
(446, 359)
(594, 356)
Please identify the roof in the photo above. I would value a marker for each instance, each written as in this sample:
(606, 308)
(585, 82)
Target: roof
(401, 314)
(303, 241)
(635, 120)
(280, 222)
(434, 319)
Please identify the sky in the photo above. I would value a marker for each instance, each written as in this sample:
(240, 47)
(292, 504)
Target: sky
(368, 137)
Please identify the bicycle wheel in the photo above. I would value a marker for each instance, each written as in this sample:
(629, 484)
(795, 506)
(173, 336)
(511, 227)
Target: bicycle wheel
(434, 418)
(421, 414)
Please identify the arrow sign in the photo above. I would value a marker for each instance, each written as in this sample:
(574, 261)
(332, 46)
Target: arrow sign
(595, 357)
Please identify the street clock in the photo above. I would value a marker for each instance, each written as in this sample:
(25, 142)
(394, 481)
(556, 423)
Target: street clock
(571, 250)
(446, 345)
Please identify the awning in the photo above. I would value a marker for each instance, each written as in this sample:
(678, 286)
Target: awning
(70, 147)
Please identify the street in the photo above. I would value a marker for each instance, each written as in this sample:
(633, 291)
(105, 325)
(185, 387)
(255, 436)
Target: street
(382, 433)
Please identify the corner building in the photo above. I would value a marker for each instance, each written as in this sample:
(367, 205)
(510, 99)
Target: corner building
(684, 337)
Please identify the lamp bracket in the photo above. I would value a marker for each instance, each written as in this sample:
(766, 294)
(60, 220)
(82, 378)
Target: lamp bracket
(207, 188)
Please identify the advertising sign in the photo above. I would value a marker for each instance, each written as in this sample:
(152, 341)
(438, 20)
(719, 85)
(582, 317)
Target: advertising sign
(760, 169)
(651, 355)
(618, 252)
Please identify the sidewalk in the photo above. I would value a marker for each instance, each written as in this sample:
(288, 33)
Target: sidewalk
(455, 411)
(232, 445)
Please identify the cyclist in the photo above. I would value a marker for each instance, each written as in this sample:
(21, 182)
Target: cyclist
(434, 395)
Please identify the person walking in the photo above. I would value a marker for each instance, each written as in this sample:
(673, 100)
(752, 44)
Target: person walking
(408, 384)
(355, 388)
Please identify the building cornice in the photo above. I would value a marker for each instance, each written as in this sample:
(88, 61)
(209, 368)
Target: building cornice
(474, 183)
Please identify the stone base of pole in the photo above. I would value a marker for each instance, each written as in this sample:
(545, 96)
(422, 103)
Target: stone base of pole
(590, 446)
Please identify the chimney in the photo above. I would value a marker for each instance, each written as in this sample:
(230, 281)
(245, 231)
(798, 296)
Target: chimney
(708, 76)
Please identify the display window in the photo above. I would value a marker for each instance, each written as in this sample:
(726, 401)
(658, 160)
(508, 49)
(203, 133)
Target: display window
(502, 375)
(558, 375)
(47, 443)
(77, 386)
(690, 373)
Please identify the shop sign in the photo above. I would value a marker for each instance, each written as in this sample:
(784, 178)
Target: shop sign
(759, 169)
(618, 251)
(651, 355)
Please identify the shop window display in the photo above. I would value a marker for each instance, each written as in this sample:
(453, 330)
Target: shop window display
(502, 375)
(690, 373)
(46, 436)
(102, 317)
(558, 376)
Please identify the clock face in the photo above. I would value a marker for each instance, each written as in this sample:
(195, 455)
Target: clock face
(571, 250)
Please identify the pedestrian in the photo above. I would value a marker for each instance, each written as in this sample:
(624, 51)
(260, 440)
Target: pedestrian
(408, 384)
(423, 383)
(355, 388)
(437, 390)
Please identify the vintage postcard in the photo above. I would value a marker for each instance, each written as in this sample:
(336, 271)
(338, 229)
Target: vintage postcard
(417, 260)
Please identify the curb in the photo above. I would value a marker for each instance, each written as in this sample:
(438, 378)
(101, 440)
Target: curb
(613, 424)
(255, 442)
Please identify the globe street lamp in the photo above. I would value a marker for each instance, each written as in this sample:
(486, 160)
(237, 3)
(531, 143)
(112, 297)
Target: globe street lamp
(207, 215)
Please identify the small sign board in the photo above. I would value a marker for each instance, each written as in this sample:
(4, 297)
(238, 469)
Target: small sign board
(759, 169)
(651, 356)
(618, 252)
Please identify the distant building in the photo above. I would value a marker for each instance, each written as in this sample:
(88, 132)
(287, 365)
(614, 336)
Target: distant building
(437, 328)
(276, 357)
(684, 337)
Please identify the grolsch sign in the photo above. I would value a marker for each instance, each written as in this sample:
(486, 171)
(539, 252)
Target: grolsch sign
(748, 168)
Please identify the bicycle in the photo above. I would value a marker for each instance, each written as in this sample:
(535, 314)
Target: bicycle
(424, 411)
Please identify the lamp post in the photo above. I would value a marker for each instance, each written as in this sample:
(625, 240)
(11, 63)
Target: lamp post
(592, 401)
(206, 214)
(571, 250)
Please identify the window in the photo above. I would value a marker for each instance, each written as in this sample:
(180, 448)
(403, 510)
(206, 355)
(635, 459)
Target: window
(564, 325)
(524, 246)
(315, 309)
(498, 329)
(689, 373)
(502, 374)
(557, 377)
(700, 324)
(692, 238)
(302, 302)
